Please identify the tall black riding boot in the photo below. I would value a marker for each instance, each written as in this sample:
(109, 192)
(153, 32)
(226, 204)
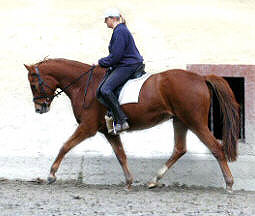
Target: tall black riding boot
(119, 116)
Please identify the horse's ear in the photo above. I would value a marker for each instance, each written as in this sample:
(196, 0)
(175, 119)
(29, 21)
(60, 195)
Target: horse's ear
(27, 67)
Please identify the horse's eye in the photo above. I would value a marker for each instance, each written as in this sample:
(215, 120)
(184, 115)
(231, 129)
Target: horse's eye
(34, 77)
(33, 87)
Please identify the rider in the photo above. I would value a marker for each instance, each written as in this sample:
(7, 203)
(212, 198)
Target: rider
(123, 59)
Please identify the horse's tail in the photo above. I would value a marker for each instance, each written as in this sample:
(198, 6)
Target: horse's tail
(230, 109)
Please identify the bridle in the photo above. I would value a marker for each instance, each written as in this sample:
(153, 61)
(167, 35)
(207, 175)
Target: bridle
(41, 88)
(43, 84)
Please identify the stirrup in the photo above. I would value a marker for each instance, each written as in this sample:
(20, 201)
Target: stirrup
(125, 126)
(115, 129)
(118, 128)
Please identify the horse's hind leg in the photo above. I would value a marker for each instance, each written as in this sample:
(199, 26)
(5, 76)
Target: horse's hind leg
(216, 148)
(118, 149)
(180, 132)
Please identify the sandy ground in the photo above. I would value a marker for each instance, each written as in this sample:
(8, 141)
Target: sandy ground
(71, 198)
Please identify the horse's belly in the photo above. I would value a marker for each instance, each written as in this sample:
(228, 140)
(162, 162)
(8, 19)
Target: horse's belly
(148, 120)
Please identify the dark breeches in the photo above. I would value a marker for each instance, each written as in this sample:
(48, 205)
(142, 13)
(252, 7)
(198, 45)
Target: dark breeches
(117, 78)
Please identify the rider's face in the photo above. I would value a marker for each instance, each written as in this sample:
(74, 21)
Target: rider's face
(109, 22)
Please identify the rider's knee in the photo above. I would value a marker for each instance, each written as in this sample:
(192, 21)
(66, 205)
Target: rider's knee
(105, 91)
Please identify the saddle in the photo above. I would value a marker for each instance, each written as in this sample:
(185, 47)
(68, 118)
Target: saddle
(138, 73)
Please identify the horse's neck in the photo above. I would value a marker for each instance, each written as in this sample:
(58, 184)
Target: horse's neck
(69, 75)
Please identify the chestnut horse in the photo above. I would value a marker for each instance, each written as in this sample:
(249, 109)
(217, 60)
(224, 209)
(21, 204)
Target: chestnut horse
(174, 94)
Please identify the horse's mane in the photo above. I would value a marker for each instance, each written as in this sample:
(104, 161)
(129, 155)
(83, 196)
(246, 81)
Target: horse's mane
(47, 60)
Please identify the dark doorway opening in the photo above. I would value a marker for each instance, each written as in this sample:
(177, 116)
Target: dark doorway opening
(215, 119)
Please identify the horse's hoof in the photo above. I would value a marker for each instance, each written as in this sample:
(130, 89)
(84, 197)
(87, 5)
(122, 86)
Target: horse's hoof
(152, 185)
(51, 179)
(229, 190)
(128, 188)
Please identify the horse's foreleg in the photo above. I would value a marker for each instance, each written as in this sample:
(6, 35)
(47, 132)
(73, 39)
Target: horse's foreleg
(79, 135)
(180, 132)
(118, 149)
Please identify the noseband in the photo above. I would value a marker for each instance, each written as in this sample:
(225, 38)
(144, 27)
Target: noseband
(51, 97)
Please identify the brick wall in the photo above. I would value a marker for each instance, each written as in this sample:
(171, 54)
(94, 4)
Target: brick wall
(248, 73)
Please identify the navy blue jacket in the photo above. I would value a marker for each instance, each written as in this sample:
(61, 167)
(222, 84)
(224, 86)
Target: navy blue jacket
(122, 49)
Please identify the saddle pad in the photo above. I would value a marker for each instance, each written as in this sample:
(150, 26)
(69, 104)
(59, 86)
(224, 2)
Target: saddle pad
(130, 91)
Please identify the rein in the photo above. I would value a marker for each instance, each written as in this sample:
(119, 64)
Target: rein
(51, 97)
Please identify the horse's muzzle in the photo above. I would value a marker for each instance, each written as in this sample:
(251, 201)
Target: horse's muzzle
(42, 108)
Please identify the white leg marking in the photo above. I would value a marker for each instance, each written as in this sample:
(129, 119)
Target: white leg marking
(162, 172)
